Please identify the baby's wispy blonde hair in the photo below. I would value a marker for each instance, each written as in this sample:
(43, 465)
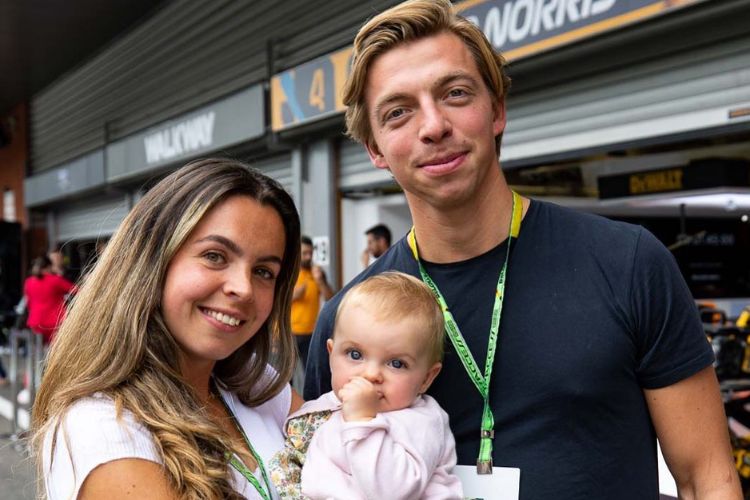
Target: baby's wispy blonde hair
(395, 296)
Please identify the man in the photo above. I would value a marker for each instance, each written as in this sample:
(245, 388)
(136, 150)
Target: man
(310, 287)
(599, 349)
(378, 241)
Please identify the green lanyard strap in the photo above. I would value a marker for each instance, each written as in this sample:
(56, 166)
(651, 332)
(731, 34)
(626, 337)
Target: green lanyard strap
(238, 465)
(481, 381)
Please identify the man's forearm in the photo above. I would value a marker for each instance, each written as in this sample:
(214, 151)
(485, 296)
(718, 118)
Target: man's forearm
(721, 486)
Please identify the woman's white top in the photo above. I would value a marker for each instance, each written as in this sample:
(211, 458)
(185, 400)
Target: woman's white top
(91, 435)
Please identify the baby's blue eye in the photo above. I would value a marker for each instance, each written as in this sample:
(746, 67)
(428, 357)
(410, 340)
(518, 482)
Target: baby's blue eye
(354, 354)
(397, 363)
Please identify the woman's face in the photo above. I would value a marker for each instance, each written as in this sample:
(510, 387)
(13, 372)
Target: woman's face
(219, 287)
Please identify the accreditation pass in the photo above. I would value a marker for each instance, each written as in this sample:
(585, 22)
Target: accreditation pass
(502, 484)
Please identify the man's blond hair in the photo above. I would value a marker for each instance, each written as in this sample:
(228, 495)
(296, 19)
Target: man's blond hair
(409, 21)
(394, 296)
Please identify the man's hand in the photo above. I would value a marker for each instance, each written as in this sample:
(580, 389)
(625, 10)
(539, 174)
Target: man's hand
(365, 258)
(320, 278)
(318, 275)
(359, 400)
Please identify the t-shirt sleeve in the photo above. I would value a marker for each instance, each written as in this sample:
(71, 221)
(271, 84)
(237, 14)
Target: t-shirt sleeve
(89, 435)
(671, 342)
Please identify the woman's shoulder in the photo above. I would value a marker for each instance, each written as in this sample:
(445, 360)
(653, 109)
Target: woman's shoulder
(93, 425)
(95, 407)
(90, 433)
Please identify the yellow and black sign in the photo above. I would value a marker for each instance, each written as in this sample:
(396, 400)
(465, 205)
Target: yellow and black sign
(699, 174)
(656, 182)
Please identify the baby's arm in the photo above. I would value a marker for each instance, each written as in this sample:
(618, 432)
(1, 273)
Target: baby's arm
(399, 455)
(384, 465)
(381, 466)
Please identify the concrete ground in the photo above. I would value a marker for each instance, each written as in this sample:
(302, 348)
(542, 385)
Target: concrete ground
(17, 477)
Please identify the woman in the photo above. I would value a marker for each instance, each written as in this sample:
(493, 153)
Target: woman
(45, 294)
(168, 378)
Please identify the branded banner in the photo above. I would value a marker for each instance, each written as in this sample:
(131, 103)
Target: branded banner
(517, 28)
(520, 28)
(699, 174)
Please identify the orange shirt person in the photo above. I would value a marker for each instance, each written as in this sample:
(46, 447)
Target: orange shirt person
(310, 287)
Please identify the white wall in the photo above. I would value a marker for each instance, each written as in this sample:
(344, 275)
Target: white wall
(358, 215)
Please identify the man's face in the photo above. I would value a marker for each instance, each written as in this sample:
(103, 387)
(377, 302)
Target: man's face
(376, 246)
(306, 256)
(433, 120)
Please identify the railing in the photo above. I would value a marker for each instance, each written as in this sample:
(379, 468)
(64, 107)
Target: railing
(34, 357)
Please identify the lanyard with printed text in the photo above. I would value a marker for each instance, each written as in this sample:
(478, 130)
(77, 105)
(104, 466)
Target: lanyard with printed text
(482, 382)
(238, 465)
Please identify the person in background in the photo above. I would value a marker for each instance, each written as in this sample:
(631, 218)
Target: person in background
(311, 286)
(378, 241)
(575, 342)
(57, 259)
(45, 293)
(376, 434)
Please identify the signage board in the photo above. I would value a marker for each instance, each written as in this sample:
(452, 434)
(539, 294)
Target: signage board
(82, 174)
(309, 91)
(520, 28)
(228, 121)
(517, 28)
(700, 174)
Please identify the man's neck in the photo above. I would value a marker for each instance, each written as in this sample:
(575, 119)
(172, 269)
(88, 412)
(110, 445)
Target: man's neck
(465, 231)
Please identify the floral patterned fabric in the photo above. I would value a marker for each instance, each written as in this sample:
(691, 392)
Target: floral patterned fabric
(286, 466)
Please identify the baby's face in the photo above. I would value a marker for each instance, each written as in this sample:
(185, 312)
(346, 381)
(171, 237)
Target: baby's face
(392, 354)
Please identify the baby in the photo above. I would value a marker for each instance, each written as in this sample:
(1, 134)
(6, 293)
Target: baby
(376, 435)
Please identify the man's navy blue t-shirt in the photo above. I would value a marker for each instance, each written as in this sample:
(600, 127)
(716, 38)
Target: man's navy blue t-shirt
(595, 311)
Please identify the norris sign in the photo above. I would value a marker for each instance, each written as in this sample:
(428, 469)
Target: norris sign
(520, 28)
(517, 28)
